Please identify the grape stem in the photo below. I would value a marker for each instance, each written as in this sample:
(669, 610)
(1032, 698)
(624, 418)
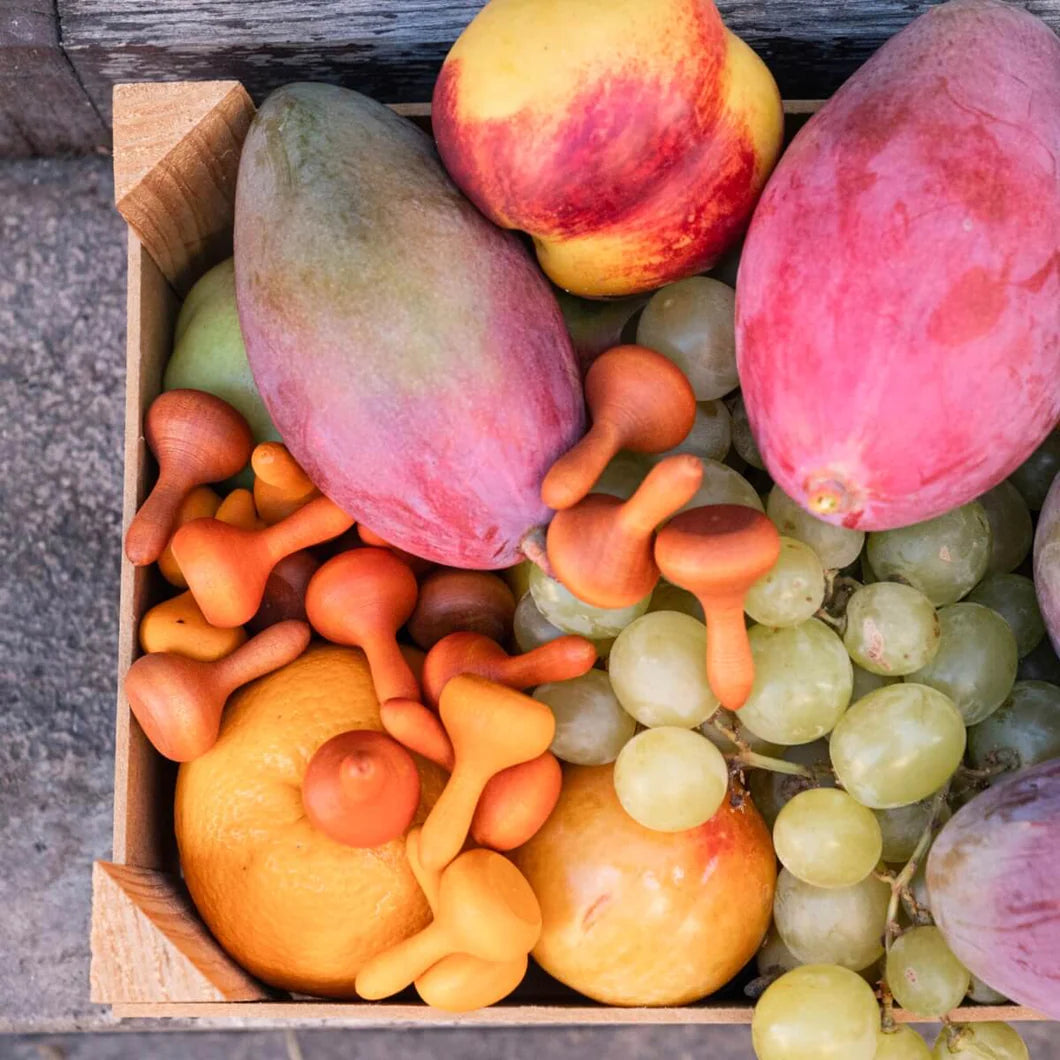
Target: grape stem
(887, 1019)
(753, 760)
(968, 773)
(901, 882)
(745, 758)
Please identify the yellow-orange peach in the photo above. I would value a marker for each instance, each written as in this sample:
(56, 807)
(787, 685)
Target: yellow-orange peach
(631, 139)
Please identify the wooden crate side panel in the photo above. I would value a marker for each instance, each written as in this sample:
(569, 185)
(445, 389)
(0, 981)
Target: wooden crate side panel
(148, 944)
(140, 826)
(334, 1014)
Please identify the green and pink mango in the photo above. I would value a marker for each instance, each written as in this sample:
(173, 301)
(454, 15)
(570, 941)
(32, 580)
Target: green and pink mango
(410, 353)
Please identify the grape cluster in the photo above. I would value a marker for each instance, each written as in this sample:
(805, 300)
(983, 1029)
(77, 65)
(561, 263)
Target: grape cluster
(886, 693)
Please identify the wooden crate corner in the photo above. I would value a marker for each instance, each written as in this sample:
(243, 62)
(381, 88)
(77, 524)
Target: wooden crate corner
(149, 945)
(176, 155)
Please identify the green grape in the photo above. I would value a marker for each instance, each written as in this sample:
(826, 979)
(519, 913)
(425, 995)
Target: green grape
(743, 439)
(902, 826)
(865, 681)
(1041, 664)
(669, 597)
(836, 546)
(1023, 731)
(625, 472)
(792, 591)
(832, 925)
(1011, 529)
(591, 726)
(711, 434)
(903, 1043)
(1012, 597)
(802, 683)
(826, 839)
(816, 1012)
(563, 609)
(924, 975)
(732, 721)
(983, 994)
(942, 557)
(595, 325)
(693, 323)
(1035, 475)
(891, 629)
(670, 779)
(658, 670)
(532, 629)
(980, 1041)
(976, 662)
(723, 485)
(773, 957)
(771, 791)
(897, 745)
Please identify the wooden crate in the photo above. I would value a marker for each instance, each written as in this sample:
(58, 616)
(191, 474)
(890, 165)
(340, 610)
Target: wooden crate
(176, 152)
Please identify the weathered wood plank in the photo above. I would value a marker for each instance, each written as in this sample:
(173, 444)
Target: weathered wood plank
(393, 50)
(43, 108)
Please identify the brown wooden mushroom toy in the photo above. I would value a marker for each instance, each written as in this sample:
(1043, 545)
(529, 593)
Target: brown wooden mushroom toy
(361, 788)
(717, 553)
(196, 438)
(601, 549)
(461, 600)
(362, 598)
(227, 568)
(179, 701)
(472, 653)
(638, 400)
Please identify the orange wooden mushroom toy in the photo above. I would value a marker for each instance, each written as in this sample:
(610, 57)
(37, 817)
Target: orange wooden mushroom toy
(227, 568)
(281, 487)
(601, 548)
(362, 598)
(459, 982)
(514, 804)
(491, 728)
(196, 438)
(485, 908)
(717, 553)
(361, 788)
(461, 600)
(638, 400)
(179, 701)
(472, 653)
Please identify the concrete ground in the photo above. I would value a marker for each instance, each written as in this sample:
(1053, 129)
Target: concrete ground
(62, 306)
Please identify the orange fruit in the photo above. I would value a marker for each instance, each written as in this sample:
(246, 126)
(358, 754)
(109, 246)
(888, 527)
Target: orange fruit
(636, 917)
(295, 908)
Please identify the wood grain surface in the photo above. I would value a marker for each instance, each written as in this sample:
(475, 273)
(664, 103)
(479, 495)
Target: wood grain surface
(43, 108)
(61, 74)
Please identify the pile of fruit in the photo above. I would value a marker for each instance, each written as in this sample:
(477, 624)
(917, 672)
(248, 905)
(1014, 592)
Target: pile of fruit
(759, 664)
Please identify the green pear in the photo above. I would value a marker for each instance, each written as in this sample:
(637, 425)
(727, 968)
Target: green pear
(208, 351)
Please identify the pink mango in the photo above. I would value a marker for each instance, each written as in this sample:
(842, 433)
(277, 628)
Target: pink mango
(898, 300)
(410, 353)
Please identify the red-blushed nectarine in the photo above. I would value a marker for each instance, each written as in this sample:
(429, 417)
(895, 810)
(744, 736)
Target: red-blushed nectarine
(636, 917)
(630, 139)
